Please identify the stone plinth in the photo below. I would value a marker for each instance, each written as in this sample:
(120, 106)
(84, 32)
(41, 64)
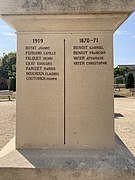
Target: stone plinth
(118, 164)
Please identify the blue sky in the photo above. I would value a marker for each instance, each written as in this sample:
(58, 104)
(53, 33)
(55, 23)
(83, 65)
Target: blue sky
(7, 38)
(124, 41)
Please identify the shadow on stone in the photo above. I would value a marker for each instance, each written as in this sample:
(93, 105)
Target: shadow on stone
(120, 158)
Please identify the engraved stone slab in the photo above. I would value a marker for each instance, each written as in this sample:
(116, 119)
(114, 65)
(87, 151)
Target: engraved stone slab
(40, 91)
(89, 92)
(62, 88)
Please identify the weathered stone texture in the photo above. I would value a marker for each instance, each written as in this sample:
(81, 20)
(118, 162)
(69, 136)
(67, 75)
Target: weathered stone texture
(65, 7)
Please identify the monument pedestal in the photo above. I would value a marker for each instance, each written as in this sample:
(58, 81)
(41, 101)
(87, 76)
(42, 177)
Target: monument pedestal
(65, 105)
(118, 164)
(65, 80)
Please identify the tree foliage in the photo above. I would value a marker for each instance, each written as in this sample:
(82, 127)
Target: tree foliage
(7, 67)
(120, 71)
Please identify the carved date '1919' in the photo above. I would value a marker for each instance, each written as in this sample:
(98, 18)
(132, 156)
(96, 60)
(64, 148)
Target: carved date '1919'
(37, 40)
(88, 40)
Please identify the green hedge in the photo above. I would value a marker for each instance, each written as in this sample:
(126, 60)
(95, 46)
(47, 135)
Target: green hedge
(129, 81)
(12, 85)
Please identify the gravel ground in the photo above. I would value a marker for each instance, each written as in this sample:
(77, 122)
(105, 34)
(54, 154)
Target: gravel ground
(124, 121)
(7, 121)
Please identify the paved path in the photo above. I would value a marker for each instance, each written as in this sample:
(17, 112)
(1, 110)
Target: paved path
(124, 121)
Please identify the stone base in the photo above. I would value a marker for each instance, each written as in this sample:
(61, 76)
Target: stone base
(118, 164)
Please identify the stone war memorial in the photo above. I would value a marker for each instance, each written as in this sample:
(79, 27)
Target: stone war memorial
(64, 107)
